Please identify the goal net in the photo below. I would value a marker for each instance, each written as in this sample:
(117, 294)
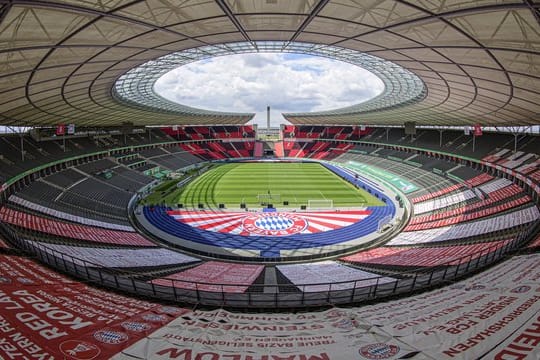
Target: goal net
(320, 204)
(268, 198)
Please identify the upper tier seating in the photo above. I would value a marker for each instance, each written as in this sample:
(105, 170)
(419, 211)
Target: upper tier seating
(128, 179)
(97, 166)
(335, 276)
(118, 257)
(73, 231)
(98, 191)
(65, 178)
(210, 275)
(48, 196)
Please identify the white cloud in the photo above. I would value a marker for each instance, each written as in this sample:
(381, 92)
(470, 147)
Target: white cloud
(287, 83)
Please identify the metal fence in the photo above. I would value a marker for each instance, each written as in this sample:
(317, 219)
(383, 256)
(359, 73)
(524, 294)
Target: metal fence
(270, 296)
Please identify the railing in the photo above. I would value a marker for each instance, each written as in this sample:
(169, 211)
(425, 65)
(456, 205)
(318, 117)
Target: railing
(269, 296)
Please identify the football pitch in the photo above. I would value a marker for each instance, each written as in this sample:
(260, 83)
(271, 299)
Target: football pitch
(260, 184)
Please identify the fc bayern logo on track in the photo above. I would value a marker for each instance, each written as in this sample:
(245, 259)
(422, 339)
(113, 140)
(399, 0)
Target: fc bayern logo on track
(378, 351)
(274, 224)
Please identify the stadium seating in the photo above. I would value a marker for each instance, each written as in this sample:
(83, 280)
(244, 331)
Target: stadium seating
(331, 275)
(214, 276)
(509, 220)
(67, 216)
(73, 231)
(494, 197)
(478, 180)
(432, 195)
(424, 256)
(478, 211)
(444, 201)
(4, 244)
(535, 244)
(258, 150)
(456, 219)
(117, 257)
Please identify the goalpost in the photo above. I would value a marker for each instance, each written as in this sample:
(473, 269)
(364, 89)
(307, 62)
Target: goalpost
(320, 204)
(268, 198)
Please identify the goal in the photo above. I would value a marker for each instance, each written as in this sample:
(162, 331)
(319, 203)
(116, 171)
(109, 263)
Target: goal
(320, 204)
(268, 198)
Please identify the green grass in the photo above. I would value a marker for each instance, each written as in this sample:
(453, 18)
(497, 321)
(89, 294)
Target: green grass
(232, 184)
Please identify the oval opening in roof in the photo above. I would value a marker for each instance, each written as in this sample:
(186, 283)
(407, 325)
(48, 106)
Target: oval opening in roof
(286, 82)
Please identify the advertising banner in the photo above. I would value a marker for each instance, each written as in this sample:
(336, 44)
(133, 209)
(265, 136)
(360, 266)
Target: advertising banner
(330, 335)
(477, 130)
(60, 130)
(399, 182)
(493, 315)
(46, 316)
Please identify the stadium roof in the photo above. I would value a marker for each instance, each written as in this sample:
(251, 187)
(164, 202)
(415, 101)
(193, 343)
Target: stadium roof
(478, 60)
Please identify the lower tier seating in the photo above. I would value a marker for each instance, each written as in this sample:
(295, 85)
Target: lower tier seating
(210, 275)
(424, 256)
(333, 276)
(505, 221)
(116, 257)
(73, 231)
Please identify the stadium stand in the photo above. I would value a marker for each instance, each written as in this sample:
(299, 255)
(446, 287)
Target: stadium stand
(509, 220)
(333, 275)
(3, 244)
(431, 195)
(117, 257)
(443, 202)
(73, 231)
(85, 141)
(535, 244)
(212, 275)
(425, 256)
(67, 216)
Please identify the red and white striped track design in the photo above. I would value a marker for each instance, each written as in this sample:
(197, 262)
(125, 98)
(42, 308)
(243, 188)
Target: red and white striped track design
(269, 223)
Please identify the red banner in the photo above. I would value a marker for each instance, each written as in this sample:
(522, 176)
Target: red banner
(48, 317)
(477, 130)
(60, 129)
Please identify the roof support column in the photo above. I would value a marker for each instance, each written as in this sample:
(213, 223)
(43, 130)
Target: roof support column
(22, 146)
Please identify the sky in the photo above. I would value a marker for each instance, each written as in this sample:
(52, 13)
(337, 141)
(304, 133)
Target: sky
(285, 82)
